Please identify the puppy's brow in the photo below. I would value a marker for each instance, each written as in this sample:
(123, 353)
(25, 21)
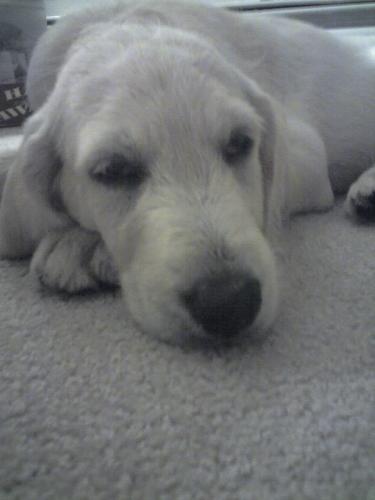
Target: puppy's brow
(131, 152)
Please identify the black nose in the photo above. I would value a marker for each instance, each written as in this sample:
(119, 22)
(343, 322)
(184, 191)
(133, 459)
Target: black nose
(224, 304)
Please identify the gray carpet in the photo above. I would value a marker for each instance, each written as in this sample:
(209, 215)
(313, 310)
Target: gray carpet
(92, 409)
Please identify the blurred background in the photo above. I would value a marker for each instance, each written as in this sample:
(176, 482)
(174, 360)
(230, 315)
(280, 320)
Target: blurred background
(23, 21)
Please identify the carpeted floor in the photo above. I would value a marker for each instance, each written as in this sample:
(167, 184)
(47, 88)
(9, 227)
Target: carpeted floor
(92, 409)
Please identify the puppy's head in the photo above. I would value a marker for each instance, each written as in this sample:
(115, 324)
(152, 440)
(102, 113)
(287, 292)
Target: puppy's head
(169, 154)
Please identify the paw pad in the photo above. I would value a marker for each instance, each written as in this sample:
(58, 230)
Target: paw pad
(363, 205)
(360, 201)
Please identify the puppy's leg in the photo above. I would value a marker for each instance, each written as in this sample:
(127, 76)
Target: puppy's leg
(73, 260)
(360, 200)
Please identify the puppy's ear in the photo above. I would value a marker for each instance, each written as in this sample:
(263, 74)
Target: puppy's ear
(29, 205)
(272, 152)
(40, 163)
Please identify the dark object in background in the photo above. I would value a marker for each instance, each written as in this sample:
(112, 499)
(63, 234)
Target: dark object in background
(14, 107)
(21, 24)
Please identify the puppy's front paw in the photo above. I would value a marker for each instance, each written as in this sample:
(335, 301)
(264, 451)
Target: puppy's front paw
(61, 261)
(360, 201)
(102, 266)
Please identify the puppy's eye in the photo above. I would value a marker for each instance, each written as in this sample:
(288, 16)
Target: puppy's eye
(119, 171)
(238, 147)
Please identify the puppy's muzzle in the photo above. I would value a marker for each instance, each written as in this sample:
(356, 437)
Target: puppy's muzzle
(224, 304)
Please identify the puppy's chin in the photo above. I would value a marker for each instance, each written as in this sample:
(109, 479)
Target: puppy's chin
(194, 337)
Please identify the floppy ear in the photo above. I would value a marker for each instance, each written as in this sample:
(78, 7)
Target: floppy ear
(273, 153)
(29, 205)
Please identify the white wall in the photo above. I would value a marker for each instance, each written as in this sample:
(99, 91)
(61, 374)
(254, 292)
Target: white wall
(59, 7)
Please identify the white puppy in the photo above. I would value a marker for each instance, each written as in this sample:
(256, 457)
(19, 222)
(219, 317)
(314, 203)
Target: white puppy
(167, 143)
